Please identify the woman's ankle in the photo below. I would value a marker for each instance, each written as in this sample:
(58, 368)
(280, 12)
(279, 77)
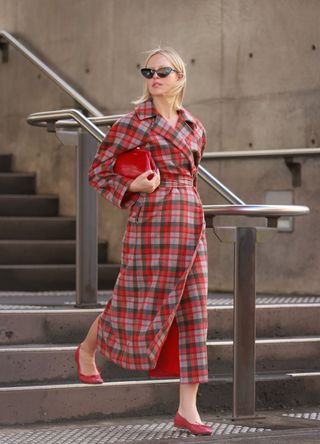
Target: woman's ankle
(87, 350)
(187, 410)
(191, 415)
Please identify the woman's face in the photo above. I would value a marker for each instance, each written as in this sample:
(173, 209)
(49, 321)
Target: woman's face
(161, 86)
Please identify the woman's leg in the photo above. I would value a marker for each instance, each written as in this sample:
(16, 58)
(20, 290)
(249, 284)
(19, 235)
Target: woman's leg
(188, 402)
(88, 350)
(192, 320)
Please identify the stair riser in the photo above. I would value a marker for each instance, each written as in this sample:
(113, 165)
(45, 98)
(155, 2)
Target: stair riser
(5, 163)
(269, 357)
(28, 206)
(19, 367)
(33, 253)
(51, 278)
(37, 229)
(281, 321)
(55, 327)
(69, 326)
(54, 366)
(114, 400)
(13, 184)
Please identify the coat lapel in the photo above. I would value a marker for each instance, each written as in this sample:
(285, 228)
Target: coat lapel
(183, 136)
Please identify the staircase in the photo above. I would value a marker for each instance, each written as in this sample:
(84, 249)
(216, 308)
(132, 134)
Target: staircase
(38, 375)
(37, 246)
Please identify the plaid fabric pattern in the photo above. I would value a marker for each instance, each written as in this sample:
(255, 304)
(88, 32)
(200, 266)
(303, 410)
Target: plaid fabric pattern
(163, 270)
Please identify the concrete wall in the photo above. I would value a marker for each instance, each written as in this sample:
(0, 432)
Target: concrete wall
(253, 80)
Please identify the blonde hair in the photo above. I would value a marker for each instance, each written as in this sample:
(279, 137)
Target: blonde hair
(178, 89)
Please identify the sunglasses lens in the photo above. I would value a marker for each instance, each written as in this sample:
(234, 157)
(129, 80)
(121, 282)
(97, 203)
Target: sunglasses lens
(147, 73)
(164, 72)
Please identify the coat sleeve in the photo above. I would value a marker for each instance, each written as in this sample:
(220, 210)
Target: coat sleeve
(202, 147)
(110, 185)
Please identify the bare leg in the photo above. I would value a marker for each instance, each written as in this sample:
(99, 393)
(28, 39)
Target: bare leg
(88, 350)
(188, 402)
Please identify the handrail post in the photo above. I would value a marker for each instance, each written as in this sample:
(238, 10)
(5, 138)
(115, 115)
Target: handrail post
(244, 321)
(86, 226)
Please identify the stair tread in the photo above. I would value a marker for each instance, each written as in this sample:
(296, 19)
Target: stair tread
(37, 347)
(270, 340)
(29, 196)
(223, 377)
(16, 173)
(72, 346)
(36, 218)
(41, 241)
(215, 301)
(39, 266)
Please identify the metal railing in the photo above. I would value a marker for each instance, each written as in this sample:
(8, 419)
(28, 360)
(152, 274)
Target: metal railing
(6, 38)
(289, 155)
(289, 152)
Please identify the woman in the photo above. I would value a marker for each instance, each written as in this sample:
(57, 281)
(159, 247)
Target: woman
(163, 281)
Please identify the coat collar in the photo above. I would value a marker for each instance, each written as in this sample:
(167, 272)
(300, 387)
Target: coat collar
(183, 136)
(147, 109)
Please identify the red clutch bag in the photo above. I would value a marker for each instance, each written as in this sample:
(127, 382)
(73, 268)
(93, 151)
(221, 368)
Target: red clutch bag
(134, 162)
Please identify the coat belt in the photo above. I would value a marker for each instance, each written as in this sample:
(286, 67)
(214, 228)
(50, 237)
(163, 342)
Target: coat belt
(175, 180)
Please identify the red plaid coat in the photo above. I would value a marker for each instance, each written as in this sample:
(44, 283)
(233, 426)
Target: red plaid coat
(163, 273)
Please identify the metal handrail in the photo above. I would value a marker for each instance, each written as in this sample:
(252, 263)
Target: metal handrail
(290, 152)
(256, 210)
(50, 117)
(9, 38)
(71, 123)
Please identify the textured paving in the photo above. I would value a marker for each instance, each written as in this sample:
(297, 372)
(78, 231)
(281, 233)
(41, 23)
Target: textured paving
(315, 416)
(58, 299)
(273, 427)
(114, 433)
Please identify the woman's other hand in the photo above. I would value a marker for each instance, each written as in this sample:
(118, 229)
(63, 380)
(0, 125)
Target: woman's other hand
(143, 184)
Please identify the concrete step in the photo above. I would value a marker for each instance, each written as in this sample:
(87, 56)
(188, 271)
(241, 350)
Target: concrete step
(22, 364)
(45, 326)
(28, 205)
(146, 397)
(51, 277)
(43, 252)
(55, 363)
(37, 228)
(17, 183)
(5, 162)
(60, 326)
(52, 364)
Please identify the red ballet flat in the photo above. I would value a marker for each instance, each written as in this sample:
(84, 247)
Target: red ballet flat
(86, 379)
(196, 429)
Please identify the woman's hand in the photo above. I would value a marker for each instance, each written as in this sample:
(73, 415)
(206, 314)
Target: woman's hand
(142, 184)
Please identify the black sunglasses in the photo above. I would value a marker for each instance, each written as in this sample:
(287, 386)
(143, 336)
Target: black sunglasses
(148, 73)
